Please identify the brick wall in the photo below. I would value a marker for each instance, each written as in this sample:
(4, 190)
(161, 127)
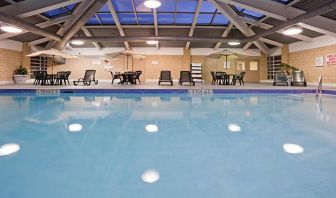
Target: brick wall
(305, 61)
(9, 61)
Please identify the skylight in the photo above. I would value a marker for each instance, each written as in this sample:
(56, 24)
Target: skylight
(248, 13)
(60, 11)
(283, 1)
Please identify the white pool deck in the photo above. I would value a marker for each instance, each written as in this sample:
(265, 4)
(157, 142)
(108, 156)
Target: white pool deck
(153, 85)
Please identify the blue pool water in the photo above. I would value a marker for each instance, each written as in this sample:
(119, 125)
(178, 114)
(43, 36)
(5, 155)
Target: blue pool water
(238, 145)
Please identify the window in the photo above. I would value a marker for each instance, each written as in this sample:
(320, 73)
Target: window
(273, 66)
(253, 66)
(38, 63)
(241, 65)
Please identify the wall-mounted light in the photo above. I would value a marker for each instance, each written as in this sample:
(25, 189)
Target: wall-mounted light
(10, 29)
(152, 4)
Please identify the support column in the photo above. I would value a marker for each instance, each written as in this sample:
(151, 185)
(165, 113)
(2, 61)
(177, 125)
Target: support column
(186, 60)
(25, 60)
(285, 54)
(263, 66)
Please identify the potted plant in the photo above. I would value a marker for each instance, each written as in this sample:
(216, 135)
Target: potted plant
(287, 68)
(20, 75)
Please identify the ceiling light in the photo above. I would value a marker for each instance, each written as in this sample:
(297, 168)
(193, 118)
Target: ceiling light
(10, 29)
(152, 42)
(234, 43)
(234, 127)
(292, 31)
(152, 128)
(152, 4)
(293, 148)
(75, 127)
(8, 149)
(150, 176)
(77, 42)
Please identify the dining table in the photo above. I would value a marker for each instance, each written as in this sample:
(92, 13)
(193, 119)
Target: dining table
(225, 79)
(127, 77)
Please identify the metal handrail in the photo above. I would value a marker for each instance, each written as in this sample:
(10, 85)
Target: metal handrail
(319, 88)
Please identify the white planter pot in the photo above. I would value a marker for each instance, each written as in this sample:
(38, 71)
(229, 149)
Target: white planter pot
(20, 79)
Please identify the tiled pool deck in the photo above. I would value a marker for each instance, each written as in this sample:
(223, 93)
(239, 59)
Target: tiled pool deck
(153, 87)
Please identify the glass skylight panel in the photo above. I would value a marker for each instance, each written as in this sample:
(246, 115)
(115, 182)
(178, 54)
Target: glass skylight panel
(248, 13)
(123, 5)
(252, 13)
(283, 1)
(106, 18)
(207, 7)
(145, 18)
(186, 6)
(182, 18)
(167, 6)
(93, 21)
(60, 11)
(104, 9)
(165, 19)
(220, 20)
(127, 18)
(204, 19)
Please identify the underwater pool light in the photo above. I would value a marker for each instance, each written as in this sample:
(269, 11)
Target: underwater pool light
(152, 128)
(8, 149)
(75, 127)
(234, 127)
(293, 148)
(150, 176)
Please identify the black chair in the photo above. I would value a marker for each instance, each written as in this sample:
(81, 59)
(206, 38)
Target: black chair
(298, 78)
(128, 77)
(185, 76)
(239, 77)
(137, 75)
(165, 76)
(88, 77)
(116, 76)
(66, 77)
(280, 79)
(214, 78)
(41, 78)
(222, 78)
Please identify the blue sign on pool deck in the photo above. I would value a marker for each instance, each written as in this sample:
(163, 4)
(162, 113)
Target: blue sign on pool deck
(167, 145)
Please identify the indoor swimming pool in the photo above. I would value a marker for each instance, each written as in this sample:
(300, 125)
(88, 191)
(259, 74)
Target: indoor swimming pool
(140, 145)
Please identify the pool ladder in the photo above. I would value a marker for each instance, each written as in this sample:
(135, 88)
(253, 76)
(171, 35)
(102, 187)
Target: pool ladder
(319, 88)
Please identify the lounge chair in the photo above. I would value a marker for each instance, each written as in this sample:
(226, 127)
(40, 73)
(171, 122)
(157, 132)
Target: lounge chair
(88, 77)
(116, 76)
(298, 79)
(240, 78)
(165, 76)
(185, 76)
(280, 79)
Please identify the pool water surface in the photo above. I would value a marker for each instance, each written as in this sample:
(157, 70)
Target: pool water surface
(167, 145)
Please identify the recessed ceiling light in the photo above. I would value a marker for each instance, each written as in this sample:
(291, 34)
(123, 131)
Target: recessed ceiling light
(75, 127)
(150, 176)
(292, 31)
(77, 42)
(293, 148)
(152, 42)
(234, 43)
(152, 128)
(8, 149)
(152, 4)
(234, 127)
(10, 29)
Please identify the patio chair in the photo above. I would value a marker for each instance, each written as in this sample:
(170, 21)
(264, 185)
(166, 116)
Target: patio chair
(41, 78)
(66, 77)
(298, 79)
(137, 75)
(239, 77)
(185, 76)
(165, 76)
(222, 78)
(214, 78)
(115, 76)
(88, 77)
(280, 79)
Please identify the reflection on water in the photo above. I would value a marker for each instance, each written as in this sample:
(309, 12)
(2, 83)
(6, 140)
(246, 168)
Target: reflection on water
(8, 149)
(150, 176)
